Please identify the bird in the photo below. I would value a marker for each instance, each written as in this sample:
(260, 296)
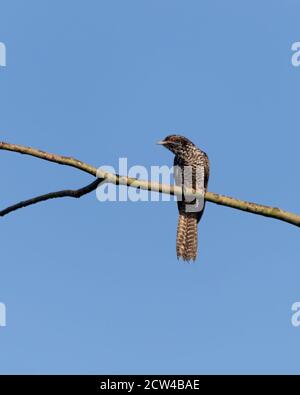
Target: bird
(191, 170)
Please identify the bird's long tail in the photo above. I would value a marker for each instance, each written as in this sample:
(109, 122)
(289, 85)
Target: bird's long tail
(187, 236)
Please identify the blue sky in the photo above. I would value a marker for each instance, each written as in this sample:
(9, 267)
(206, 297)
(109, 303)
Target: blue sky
(95, 287)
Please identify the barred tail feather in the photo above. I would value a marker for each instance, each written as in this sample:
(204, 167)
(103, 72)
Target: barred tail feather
(187, 237)
(191, 242)
(181, 233)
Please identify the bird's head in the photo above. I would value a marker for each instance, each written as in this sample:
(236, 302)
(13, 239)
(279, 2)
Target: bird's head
(175, 143)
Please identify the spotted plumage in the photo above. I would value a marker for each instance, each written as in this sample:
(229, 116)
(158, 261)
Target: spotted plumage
(191, 170)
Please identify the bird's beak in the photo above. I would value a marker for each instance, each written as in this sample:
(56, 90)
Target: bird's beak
(162, 142)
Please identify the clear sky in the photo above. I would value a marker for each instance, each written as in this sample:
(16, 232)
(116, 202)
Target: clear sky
(94, 287)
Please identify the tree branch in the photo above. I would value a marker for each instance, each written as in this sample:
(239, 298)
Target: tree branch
(267, 211)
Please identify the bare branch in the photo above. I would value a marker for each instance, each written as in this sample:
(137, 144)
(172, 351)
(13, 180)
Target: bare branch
(74, 193)
(267, 211)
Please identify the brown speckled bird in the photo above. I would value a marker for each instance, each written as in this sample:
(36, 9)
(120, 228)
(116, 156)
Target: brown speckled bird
(191, 169)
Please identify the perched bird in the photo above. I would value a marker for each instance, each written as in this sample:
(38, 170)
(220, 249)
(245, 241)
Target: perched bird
(191, 170)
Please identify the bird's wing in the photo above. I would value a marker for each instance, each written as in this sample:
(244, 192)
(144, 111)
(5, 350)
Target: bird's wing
(206, 170)
(178, 173)
(178, 178)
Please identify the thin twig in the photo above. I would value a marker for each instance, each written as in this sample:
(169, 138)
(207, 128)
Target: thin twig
(254, 208)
